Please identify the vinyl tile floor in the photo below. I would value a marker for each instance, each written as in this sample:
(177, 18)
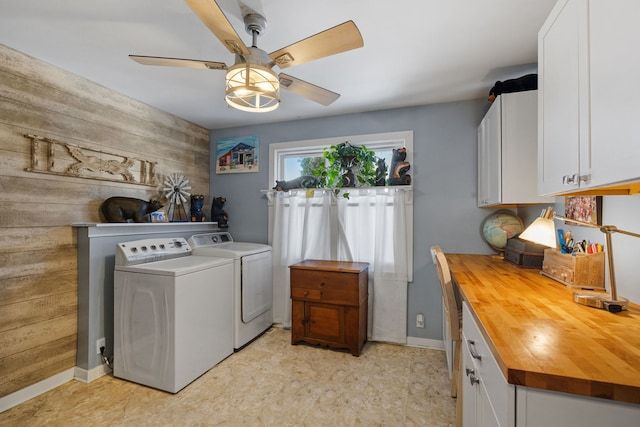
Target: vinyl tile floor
(268, 383)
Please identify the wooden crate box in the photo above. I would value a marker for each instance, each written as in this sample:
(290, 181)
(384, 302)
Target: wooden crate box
(584, 271)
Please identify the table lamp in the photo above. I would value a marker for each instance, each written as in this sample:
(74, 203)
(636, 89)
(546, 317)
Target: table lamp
(542, 231)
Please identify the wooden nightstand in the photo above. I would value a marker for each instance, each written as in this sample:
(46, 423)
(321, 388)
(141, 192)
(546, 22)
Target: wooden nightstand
(329, 303)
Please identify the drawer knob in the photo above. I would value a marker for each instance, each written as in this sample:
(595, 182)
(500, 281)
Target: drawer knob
(474, 380)
(472, 349)
(470, 371)
(306, 293)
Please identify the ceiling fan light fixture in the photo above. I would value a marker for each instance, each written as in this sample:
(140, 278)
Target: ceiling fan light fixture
(252, 88)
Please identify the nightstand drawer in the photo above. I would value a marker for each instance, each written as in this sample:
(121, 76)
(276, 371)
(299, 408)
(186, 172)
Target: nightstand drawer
(308, 294)
(326, 286)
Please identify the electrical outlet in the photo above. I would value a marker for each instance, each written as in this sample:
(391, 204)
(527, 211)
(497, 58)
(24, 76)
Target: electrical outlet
(102, 342)
(420, 320)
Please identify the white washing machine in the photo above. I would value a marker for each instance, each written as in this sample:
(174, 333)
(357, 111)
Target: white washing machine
(173, 316)
(253, 282)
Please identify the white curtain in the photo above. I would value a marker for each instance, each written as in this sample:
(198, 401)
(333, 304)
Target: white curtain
(372, 226)
(373, 229)
(302, 229)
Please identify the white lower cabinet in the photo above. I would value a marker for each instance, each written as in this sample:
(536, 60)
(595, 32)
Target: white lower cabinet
(487, 398)
(543, 408)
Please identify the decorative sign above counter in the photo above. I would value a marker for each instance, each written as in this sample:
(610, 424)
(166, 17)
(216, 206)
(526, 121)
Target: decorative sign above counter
(65, 159)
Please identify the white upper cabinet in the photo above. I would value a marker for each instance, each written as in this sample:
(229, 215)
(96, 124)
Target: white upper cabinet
(489, 141)
(507, 140)
(589, 110)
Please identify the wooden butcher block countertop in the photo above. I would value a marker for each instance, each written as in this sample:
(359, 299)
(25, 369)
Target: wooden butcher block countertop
(542, 339)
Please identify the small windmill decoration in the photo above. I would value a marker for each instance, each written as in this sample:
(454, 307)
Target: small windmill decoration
(176, 190)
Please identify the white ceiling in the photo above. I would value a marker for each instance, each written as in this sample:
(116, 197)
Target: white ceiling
(415, 52)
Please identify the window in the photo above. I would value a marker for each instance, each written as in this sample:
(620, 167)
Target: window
(289, 160)
(298, 165)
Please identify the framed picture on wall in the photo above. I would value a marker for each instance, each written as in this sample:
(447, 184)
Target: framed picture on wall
(237, 154)
(584, 208)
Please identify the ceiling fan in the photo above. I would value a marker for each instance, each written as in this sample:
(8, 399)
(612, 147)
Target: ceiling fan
(251, 83)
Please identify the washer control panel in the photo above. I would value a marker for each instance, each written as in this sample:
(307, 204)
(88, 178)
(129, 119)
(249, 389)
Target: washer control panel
(208, 239)
(150, 250)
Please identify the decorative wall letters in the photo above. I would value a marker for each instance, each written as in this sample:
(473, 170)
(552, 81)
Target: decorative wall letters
(62, 158)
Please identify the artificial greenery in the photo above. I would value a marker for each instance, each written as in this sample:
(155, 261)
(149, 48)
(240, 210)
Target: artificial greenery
(346, 166)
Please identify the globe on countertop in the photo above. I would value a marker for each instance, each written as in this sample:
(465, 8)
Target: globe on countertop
(500, 226)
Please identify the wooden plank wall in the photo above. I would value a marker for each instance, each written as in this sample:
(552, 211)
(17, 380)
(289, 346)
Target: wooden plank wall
(38, 267)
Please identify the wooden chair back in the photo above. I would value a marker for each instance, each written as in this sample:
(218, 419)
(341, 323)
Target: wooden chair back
(453, 308)
(452, 304)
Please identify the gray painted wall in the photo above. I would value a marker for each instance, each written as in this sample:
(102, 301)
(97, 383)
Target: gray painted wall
(444, 173)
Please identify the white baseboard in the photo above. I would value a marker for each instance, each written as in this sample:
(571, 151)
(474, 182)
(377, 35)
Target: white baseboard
(34, 390)
(86, 376)
(424, 342)
(413, 342)
(20, 396)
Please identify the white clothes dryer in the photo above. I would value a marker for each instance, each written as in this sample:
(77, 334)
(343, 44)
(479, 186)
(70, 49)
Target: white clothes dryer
(173, 316)
(253, 282)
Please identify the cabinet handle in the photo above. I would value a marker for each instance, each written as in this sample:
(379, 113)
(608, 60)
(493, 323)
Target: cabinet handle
(470, 371)
(570, 179)
(472, 349)
(585, 178)
(474, 380)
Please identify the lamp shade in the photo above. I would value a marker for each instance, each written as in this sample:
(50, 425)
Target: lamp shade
(541, 231)
(252, 88)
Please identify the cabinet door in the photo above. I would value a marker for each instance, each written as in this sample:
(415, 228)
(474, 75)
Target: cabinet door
(489, 156)
(519, 149)
(325, 322)
(542, 408)
(614, 69)
(487, 398)
(486, 416)
(561, 78)
(477, 410)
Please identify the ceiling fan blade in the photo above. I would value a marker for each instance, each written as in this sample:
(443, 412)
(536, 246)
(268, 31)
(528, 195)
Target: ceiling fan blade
(308, 90)
(340, 38)
(178, 62)
(211, 15)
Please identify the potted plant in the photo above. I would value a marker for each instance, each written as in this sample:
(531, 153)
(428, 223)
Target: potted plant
(346, 165)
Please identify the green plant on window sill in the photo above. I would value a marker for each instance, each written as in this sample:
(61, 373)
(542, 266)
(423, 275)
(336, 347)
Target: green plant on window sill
(346, 165)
